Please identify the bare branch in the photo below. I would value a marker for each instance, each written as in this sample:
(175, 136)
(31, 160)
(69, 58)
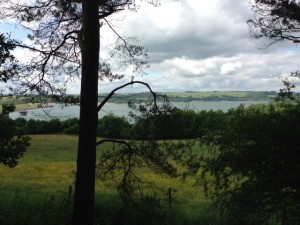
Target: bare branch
(113, 141)
(124, 85)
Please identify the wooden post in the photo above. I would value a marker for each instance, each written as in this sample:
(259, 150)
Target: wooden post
(70, 192)
(170, 196)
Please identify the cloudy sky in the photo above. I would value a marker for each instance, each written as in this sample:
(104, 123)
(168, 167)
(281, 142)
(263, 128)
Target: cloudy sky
(199, 45)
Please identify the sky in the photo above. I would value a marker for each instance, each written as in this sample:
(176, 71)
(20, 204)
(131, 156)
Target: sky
(198, 45)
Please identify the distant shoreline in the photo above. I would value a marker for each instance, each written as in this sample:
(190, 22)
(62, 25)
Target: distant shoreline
(188, 96)
(26, 107)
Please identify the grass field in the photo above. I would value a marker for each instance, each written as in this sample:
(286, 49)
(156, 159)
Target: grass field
(40, 183)
(26, 106)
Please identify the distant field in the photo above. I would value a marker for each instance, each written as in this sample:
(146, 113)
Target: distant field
(223, 95)
(203, 96)
(22, 102)
(207, 94)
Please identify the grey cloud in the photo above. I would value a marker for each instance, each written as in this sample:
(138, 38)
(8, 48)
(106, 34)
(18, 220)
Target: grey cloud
(205, 51)
(194, 36)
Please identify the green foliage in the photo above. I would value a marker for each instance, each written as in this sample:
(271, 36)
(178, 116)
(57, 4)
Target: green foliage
(287, 93)
(42, 127)
(108, 126)
(74, 129)
(7, 61)
(114, 127)
(20, 124)
(12, 147)
(175, 124)
(208, 122)
(20, 209)
(254, 178)
(179, 124)
(70, 126)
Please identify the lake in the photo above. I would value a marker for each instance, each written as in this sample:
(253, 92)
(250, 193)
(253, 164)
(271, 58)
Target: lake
(65, 112)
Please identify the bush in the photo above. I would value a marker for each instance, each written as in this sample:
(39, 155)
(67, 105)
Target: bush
(69, 123)
(73, 129)
(20, 124)
(114, 127)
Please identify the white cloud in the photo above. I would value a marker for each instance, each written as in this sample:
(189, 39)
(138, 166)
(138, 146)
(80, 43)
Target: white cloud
(188, 67)
(195, 44)
(230, 68)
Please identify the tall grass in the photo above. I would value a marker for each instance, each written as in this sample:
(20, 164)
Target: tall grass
(37, 191)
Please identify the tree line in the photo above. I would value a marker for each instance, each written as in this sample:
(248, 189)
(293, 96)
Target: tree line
(177, 124)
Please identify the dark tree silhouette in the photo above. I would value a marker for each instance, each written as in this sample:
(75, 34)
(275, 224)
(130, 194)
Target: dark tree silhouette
(12, 147)
(8, 64)
(83, 210)
(276, 20)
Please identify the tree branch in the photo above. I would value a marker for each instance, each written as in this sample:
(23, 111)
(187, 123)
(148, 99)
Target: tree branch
(124, 85)
(113, 141)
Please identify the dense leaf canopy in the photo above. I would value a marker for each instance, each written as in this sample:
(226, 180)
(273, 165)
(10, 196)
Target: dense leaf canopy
(254, 178)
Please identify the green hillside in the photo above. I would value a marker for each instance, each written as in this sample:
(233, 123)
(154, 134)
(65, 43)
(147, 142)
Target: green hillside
(173, 96)
(199, 96)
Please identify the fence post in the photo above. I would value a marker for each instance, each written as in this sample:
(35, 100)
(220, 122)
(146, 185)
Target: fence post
(70, 192)
(170, 196)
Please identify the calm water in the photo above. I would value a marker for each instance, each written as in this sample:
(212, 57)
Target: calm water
(65, 112)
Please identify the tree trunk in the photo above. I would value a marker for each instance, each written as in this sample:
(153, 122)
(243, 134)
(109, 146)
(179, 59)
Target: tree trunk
(83, 208)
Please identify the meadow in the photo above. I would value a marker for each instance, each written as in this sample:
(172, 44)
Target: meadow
(39, 191)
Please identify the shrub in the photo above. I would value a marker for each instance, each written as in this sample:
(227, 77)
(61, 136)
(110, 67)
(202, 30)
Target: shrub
(114, 127)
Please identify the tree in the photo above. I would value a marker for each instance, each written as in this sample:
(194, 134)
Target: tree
(83, 210)
(289, 84)
(276, 20)
(253, 177)
(7, 60)
(65, 39)
(12, 147)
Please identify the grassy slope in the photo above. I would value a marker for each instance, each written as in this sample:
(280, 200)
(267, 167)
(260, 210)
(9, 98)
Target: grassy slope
(49, 167)
(35, 192)
(45, 167)
(23, 106)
